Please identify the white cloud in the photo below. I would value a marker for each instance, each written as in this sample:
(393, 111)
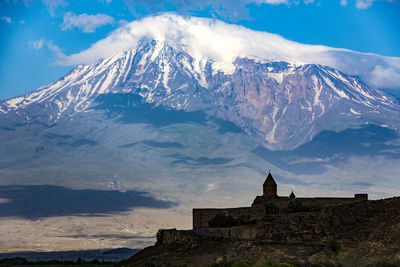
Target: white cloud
(360, 4)
(278, 2)
(364, 4)
(385, 76)
(231, 10)
(123, 22)
(6, 19)
(39, 44)
(84, 22)
(54, 4)
(212, 187)
(222, 42)
(273, 2)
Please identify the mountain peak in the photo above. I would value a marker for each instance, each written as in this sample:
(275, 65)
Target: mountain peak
(282, 104)
(213, 40)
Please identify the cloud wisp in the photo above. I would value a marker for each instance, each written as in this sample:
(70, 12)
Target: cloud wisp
(39, 44)
(362, 4)
(52, 5)
(84, 22)
(231, 10)
(222, 43)
(272, 2)
(6, 19)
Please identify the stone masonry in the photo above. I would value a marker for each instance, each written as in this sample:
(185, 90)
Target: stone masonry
(259, 209)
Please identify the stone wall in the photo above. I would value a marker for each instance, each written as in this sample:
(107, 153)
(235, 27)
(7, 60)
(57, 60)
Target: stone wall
(235, 232)
(168, 236)
(322, 201)
(201, 217)
(282, 203)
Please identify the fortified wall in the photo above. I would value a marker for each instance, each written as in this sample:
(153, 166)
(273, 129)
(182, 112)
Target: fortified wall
(201, 217)
(261, 207)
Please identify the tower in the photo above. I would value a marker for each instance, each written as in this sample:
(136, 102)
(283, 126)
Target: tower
(269, 187)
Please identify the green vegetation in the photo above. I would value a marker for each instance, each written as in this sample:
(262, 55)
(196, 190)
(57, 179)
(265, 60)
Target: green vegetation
(297, 206)
(237, 263)
(272, 208)
(334, 246)
(233, 263)
(259, 200)
(384, 264)
(18, 261)
(221, 220)
(159, 237)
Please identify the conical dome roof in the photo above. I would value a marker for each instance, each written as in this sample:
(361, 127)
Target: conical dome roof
(270, 180)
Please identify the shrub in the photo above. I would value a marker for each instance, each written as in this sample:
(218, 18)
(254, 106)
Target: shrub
(259, 200)
(297, 206)
(272, 264)
(234, 263)
(221, 220)
(159, 238)
(241, 264)
(272, 208)
(223, 263)
(384, 264)
(334, 246)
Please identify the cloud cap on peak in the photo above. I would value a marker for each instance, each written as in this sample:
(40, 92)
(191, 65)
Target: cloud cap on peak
(205, 38)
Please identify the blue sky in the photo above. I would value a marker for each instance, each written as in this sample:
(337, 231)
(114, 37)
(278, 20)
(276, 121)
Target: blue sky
(35, 33)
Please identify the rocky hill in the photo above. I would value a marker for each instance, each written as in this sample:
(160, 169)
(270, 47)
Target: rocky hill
(193, 112)
(280, 104)
(354, 234)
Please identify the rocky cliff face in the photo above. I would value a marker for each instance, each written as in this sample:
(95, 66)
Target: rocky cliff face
(350, 223)
(281, 104)
(195, 122)
(364, 233)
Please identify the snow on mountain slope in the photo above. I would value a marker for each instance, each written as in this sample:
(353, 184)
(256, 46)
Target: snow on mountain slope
(75, 91)
(168, 117)
(281, 104)
(222, 43)
(149, 67)
(285, 105)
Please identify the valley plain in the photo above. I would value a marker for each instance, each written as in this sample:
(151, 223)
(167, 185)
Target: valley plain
(130, 143)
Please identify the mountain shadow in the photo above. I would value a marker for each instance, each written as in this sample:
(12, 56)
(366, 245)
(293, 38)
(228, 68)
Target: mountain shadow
(200, 161)
(330, 147)
(227, 127)
(41, 201)
(130, 108)
(72, 255)
(155, 144)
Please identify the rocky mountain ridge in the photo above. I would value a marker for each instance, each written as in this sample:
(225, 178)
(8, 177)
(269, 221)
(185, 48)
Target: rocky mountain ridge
(282, 105)
(354, 234)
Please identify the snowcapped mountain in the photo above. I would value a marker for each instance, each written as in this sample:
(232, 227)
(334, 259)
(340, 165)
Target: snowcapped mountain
(281, 104)
(192, 112)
